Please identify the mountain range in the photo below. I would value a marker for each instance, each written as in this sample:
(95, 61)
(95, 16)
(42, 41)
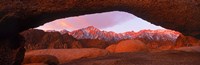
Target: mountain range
(91, 37)
(94, 33)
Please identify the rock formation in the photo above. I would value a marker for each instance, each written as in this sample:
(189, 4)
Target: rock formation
(38, 39)
(66, 55)
(142, 58)
(19, 15)
(12, 50)
(94, 43)
(154, 39)
(182, 16)
(109, 36)
(128, 46)
(45, 59)
(189, 49)
(91, 37)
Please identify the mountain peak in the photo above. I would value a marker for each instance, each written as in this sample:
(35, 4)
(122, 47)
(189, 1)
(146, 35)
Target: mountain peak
(64, 31)
(91, 28)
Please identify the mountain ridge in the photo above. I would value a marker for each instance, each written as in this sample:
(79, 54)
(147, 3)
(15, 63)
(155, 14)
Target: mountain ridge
(94, 33)
(91, 37)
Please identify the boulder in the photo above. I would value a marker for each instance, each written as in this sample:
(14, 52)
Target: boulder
(127, 46)
(111, 48)
(45, 59)
(66, 55)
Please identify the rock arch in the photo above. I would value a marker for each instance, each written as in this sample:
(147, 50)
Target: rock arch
(19, 15)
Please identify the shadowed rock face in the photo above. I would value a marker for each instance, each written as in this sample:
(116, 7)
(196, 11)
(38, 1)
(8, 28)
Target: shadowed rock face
(19, 15)
(39, 39)
(12, 50)
(180, 15)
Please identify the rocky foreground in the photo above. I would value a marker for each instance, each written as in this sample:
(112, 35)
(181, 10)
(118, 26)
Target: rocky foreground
(94, 56)
(143, 58)
(128, 52)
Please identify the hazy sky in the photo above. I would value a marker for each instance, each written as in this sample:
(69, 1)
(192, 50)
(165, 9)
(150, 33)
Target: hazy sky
(116, 21)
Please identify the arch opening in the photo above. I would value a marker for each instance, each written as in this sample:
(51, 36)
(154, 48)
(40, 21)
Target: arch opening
(110, 27)
(116, 21)
(103, 30)
(20, 15)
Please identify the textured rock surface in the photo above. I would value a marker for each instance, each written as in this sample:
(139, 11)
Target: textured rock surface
(109, 36)
(66, 55)
(180, 15)
(183, 41)
(38, 39)
(128, 46)
(154, 39)
(94, 43)
(189, 49)
(156, 58)
(46, 59)
(19, 15)
(111, 48)
(12, 50)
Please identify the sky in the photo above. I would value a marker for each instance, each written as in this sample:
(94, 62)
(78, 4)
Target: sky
(115, 21)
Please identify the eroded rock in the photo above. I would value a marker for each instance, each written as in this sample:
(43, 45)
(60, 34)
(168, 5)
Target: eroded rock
(128, 46)
(45, 59)
(19, 15)
(66, 55)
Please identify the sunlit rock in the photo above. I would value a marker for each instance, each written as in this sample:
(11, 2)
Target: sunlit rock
(128, 46)
(66, 55)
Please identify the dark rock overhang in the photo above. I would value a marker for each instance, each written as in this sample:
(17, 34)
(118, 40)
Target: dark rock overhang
(179, 15)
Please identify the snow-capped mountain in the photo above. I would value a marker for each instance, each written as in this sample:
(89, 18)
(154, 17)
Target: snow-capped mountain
(155, 35)
(94, 33)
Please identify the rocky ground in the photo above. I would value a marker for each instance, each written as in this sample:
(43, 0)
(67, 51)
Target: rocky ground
(143, 58)
(95, 56)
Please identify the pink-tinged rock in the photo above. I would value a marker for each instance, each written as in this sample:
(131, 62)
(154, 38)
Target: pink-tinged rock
(128, 46)
(41, 59)
(111, 48)
(66, 55)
